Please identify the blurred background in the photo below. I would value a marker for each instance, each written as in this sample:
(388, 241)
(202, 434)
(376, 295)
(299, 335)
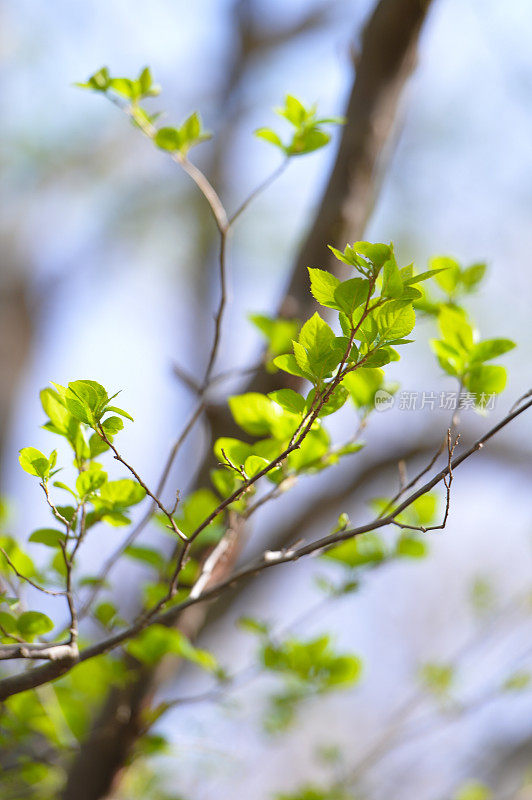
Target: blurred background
(107, 272)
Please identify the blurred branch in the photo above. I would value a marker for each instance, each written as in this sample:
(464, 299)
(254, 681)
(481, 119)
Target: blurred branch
(325, 504)
(387, 56)
(17, 328)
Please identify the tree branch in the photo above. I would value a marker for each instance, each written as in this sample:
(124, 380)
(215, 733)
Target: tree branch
(18, 683)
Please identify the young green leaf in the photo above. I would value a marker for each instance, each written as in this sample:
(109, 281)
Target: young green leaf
(47, 536)
(36, 463)
(490, 348)
(392, 284)
(33, 623)
(394, 320)
(121, 494)
(322, 286)
(351, 294)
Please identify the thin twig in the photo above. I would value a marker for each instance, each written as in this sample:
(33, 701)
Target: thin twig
(20, 682)
(139, 527)
(260, 188)
(139, 480)
(28, 580)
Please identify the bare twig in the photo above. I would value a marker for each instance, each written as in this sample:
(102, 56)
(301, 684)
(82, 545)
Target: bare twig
(259, 190)
(139, 480)
(139, 527)
(447, 479)
(28, 580)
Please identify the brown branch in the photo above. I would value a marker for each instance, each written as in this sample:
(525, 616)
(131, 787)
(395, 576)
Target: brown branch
(17, 683)
(168, 514)
(387, 58)
(28, 580)
(139, 527)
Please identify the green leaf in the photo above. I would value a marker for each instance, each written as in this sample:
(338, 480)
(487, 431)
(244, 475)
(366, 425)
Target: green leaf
(191, 128)
(424, 508)
(473, 791)
(486, 380)
(84, 399)
(168, 138)
(147, 555)
(438, 678)
(423, 276)
(307, 141)
(98, 82)
(302, 360)
(53, 406)
(47, 536)
(311, 452)
(313, 662)
(448, 276)
(455, 329)
(336, 400)
(376, 254)
(19, 558)
(36, 463)
(392, 284)
(8, 622)
(518, 681)
(318, 349)
(158, 641)
(255, 413)
(115, 518)
(322, 286)
(472, 276)
(289, 400)
(122, 493)
(33, 623)
(362, 385)
(97, 446)
(411, 547)
(451, 360)
(351, 294)
(120, 411)
(90, 481)
(145, 81)
(253, 625)
(192, 512)
(381, 357)
(288, 363)
(268, 135)
(182, 139)
(491, 348)
(316, 334)
(347, 257)
(235, 450)
(279, 333)
(125, 87)
(294, 111)
(112, 425)
(360, 551)
(394, 320)
(254, 464)
(91, 393)
(105, 613)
